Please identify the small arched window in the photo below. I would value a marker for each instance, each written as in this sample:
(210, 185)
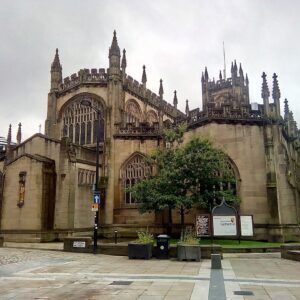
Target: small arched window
(134, 170)
(133, 112)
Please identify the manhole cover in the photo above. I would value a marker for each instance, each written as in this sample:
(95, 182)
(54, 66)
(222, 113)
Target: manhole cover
(243, 293)
(121, 283)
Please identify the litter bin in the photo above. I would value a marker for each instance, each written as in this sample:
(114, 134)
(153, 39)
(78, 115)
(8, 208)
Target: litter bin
(162, 246)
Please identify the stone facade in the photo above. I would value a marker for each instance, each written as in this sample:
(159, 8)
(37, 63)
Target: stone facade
(46, 182)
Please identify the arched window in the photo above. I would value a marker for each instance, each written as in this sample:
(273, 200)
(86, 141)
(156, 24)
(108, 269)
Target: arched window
(81, 122)
(77, 133)
(134, 170)
(71, 132)
(152, 117)
(133, 112)
(89, 133)
(65, 130)
(82, 135)
(230, 173)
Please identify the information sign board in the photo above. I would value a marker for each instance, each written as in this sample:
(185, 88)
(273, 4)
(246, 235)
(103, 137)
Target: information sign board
(95, 207)
(78, 244)
(224, 225)
(203, 225)
(246, 225)
(96, 198)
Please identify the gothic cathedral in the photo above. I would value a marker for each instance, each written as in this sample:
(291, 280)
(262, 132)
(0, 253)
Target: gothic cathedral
(46, 181)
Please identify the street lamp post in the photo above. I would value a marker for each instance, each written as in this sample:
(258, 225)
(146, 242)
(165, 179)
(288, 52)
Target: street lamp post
(87, 102)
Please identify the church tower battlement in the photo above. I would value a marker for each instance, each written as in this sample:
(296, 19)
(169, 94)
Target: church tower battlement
(232, 91)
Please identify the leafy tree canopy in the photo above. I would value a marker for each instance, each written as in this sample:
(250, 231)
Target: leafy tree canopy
(185, 176)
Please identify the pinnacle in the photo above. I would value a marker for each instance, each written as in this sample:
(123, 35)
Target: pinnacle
(114, 48)
(265, 93)
(161, 89)
(144, 76)
(276, 91)
(124, 60)
(9, 134)
(56, 62)
(175, 100)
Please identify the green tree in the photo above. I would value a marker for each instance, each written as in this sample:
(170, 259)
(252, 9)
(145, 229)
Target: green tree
(185, 176)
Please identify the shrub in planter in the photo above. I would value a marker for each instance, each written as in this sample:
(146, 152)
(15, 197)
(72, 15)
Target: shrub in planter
(189, 248)
(142, 247)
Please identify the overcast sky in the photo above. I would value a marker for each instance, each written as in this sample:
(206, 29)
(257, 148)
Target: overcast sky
(174, 39)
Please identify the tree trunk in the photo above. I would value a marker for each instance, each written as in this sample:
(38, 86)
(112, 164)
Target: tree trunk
(182, 221)
(170, 222)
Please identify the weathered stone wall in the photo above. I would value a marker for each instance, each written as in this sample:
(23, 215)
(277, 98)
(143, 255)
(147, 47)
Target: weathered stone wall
(244, 144)
(28, 216)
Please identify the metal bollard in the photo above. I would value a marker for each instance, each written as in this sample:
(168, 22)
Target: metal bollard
(216, 261)
(116, 236)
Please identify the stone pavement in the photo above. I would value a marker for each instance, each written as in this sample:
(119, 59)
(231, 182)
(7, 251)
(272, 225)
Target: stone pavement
(43, 274)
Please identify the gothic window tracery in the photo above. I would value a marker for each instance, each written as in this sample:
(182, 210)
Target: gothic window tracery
(135, 170)
(79, 122)
(133, 112)
(152, 117)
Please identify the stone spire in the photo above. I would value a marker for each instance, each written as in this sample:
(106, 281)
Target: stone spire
(276, 94)
(276, 90)
(56, 72)
(19, 134)
(206, 74)
(187, 109)
(175, 100)
(124, 61)
(265, 94)
(161, 90)
(9, 135)
(202, 78)
(234, 70)
(114, 56)
(144, 76)
(286, 109)
(114, 48)
(247, 80)
(160, 112)
(241, 73)
(220, 75)
(124, 65)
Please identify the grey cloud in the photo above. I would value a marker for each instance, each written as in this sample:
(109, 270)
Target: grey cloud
(175, 39)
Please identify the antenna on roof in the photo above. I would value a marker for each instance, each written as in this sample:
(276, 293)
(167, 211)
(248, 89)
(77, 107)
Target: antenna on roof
(224, 61)
(40, 128)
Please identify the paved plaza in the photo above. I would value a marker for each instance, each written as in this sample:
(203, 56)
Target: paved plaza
(43, 274)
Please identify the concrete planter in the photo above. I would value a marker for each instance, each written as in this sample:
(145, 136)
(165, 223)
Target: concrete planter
(140, 251)
(188, 252)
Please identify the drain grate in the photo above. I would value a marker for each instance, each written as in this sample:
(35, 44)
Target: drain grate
(121, 283)
(243, 293)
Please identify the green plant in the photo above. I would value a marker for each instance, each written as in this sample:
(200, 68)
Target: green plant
(145, 237)
(189, 237)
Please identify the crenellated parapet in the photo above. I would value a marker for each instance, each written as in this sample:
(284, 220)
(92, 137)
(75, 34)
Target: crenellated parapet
(84, 76)
(226, 114)
(142, 131)
(139, 90)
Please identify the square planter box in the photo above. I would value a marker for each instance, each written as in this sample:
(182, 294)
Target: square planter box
(188, 252)
(141, 251)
